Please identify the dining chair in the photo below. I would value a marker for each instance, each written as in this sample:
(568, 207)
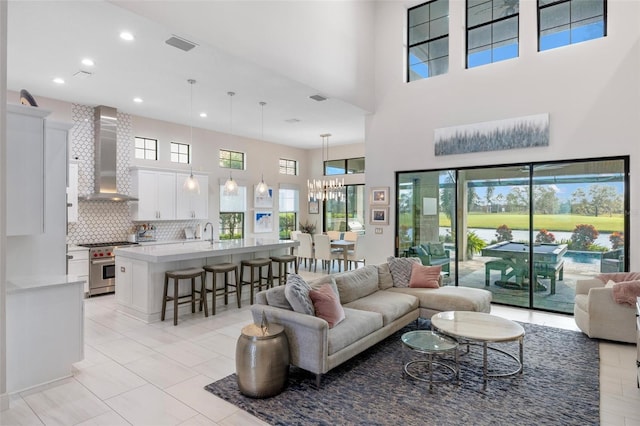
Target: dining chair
(294, 236)
(350, 236)
(356, 256)
(305, 249)
(333, 235)
(323, 252)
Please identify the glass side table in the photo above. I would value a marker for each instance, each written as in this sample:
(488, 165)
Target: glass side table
(430, 344)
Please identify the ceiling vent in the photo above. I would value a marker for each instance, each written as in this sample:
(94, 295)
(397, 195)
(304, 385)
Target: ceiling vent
(83, 74)
(292, 120)
(180, 43)
(318, 98)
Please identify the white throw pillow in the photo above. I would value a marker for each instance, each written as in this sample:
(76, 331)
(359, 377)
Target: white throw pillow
(610, 284)
(297, 293)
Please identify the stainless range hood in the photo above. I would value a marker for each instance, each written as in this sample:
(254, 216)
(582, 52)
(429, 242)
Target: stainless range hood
(105, 143)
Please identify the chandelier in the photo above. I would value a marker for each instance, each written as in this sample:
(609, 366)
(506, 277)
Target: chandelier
(325, 189)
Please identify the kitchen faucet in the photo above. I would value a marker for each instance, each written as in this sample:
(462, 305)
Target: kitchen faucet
(205, 230)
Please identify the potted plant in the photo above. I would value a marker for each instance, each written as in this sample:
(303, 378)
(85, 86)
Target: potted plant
(474, 244)
(307, 227)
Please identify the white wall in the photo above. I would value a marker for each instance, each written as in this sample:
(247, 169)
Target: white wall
(261, 157)
(590, 91)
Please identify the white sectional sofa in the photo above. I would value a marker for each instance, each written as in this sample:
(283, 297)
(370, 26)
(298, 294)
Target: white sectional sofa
(374, 309)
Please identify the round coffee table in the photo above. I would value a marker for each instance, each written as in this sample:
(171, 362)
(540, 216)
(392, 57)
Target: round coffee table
(430, 343)
(481, 328)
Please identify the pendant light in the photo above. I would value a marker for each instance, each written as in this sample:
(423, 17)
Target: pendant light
(323, 189)
(191, 184)
(230, 186)
(262, 187)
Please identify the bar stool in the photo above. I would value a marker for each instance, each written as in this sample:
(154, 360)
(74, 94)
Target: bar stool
(184, 274)
(283, 262)
(256, 265)
(222, 268)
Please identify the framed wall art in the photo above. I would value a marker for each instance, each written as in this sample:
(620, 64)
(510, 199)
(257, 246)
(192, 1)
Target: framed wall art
(314, 207)
(379, 216)
(380, 196)
(263, 221)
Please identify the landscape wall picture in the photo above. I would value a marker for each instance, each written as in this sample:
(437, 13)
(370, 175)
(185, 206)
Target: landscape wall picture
(514, 133)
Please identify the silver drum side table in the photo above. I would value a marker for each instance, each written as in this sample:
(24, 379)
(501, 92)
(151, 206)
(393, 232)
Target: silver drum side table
(262, 360)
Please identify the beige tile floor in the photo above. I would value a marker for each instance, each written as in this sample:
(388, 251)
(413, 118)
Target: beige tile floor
(154, 374)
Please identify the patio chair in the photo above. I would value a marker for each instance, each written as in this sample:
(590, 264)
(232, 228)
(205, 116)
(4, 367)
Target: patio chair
(612, 261)
(430, 255)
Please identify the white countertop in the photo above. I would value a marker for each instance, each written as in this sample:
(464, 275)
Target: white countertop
(198, 249)
(18, 284)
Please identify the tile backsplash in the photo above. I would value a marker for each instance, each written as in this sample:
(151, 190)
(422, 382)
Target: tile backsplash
(107, 221)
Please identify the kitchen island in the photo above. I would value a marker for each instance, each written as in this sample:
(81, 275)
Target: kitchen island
(140, 269)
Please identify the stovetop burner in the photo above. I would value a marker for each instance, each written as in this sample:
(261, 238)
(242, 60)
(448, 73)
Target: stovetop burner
(112, 244)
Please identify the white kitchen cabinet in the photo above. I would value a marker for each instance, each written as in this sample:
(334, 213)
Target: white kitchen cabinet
(45, 329)
(192, 205)
(156, 195)
(124, 272)
(131, 291)
(78, 264)
(25, 170)
(72, 192)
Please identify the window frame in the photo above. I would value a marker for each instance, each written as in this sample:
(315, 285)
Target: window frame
(178, 153)
(570, 23)
(283, 211)
(228, 163)
(493, 21)
(343, 167)
(144, 149)
(227, 234)
(427, 41)
(288, 166)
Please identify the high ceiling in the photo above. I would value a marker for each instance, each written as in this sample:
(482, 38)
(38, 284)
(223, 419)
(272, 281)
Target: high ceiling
(278, 52)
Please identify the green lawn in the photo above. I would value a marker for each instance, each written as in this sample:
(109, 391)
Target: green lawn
(550, 222)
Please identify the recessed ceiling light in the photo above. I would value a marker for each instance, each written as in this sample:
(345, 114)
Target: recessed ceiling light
(203, 114)
(88, 62)
(137, 100)
(58, 80)
(126, 35)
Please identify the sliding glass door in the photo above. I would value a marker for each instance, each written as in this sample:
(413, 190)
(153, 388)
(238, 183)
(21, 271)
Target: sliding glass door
(426, 219)
(525, 232)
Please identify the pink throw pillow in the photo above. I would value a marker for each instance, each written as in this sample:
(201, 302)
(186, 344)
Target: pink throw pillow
(425, 276)
(327, 305)
(626, 292)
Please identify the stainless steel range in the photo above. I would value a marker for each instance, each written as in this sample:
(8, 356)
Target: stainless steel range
(102, 266)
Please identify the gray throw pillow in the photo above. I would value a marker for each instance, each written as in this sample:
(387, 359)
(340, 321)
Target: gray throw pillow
(297, 293)
(436, 249)
(276, 298)
(400, 268)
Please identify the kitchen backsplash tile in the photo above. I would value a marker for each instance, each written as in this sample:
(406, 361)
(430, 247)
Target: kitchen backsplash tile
(103, 221)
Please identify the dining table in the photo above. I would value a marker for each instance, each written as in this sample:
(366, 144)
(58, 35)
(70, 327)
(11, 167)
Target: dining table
(345, 246)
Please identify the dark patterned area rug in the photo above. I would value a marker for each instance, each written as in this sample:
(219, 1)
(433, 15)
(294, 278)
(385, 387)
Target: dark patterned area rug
(560, 386)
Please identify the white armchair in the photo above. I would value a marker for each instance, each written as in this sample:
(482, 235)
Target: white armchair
(599, 316)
